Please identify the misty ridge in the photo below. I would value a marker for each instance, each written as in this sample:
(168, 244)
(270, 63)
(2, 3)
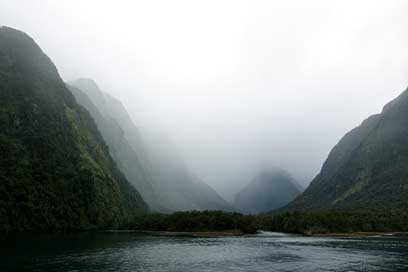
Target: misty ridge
(192, 136)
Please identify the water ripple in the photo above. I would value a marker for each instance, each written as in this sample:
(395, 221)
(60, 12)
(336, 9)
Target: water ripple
(265, 252)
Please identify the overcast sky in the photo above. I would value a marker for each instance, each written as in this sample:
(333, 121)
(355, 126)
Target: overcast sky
(239, 85)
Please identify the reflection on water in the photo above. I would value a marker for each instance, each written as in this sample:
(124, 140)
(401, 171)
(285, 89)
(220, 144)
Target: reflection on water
(263, 252)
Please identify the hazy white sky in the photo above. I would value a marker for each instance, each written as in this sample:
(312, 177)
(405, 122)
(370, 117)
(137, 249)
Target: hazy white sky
(239, 85)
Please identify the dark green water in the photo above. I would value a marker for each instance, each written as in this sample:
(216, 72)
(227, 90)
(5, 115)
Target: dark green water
(264, 252)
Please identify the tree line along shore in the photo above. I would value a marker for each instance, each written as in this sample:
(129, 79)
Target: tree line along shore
(307, 223)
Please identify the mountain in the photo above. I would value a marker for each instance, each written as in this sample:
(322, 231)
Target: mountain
(55, 169)
(177, 186)
(149, 159)
(367, 169)
(268, 191)
(127, 158)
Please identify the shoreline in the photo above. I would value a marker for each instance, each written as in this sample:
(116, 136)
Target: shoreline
(229, 233)
(233, 233)
(215, 234)
(359, 234)
(209, 234)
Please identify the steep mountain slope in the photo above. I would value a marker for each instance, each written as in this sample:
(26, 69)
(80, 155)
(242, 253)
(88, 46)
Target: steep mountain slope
(176, 186)
(269, 190)
(171, 186)
(124, 154)
(55, 169)
(368, 168)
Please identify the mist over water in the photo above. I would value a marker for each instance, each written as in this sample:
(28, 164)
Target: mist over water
(239, 86)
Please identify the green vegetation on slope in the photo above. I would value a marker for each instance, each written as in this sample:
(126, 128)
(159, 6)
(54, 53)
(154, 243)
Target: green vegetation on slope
(127, 159)
(55, 169)
(153, 164)
(367, 169)
(332, 221)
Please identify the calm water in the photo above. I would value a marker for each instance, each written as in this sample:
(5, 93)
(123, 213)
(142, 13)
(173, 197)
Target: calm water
(264, 252)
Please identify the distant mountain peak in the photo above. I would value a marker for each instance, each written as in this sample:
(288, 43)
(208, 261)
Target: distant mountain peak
(271, 189)
(87, 84)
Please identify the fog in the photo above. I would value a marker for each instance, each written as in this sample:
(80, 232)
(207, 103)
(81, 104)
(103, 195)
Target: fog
(240, 86)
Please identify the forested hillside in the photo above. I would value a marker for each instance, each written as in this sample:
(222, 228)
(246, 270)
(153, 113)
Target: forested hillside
(55, 169)
(367, 169)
